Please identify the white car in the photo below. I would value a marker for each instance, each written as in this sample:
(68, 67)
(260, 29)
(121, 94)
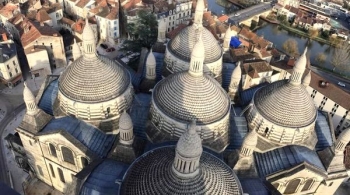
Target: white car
(341, 84)
(237, 14)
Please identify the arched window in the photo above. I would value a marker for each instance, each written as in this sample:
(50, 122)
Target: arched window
(52, 150)
(67, 155)
(84, 161)
(307, 185)
(292, 186)
(60, 173)
(52, 172)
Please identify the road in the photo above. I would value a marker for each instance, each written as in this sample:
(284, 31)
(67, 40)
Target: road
(244, 14)
(9, 116)
(332, 78)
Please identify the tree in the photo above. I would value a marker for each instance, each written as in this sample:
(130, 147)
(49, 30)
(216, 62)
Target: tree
(320, 58)
(341, 57)
(291, 47)
(143, 32)
(313, 33)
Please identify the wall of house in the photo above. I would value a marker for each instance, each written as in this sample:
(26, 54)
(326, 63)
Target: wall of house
(55, 48)
(10, 69)
(38, 60)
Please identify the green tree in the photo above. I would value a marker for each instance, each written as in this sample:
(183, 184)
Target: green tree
(341, 57)
(291, 47)
(320, 58)
(142, 32)
(325, 34)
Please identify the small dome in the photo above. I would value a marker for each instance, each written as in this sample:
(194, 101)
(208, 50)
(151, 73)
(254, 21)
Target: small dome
(125, 122)
(198, 49)
(88, 33)
(237, 72)
(301, 62)
(190, 144)
(151, 60)
(182, 44)
(285, 104)
(228, 33)
(185, 97)
(27, 94)
(95, 79)
(152, 174)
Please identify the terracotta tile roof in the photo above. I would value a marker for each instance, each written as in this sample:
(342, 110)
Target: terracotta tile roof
(260, 42)
(35, 31)
(208, 18)
(173, 33)
(42, 16)
(253, 74)
(221, 28)
(53, 7)
(9, 10)
(82, 3)
(16, 19)
(294, 10)
(244, 42)
(67, 21)
(242, 54)
(257, 66)
(114, 13)
(264, 53)
(223, 18)
(246, 33)
(291, 62)
(79, 26)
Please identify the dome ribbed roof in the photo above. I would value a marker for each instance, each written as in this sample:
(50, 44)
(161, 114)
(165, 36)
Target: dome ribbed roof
(182, 44)
(94, 79)
(125, 121)
(152, 174)
(285, 104)
(185, 97)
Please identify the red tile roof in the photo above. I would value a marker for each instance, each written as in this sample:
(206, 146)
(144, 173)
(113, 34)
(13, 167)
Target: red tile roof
(291, 62)
(42, 16)
(9, 10)
(223, 18)
(35, 31)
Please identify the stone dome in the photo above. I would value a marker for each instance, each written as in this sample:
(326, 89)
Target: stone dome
(152, 174)
(185, 97)
(92, 80)
(190, 144)
(182, 44)
(285, 104)
(151, 60)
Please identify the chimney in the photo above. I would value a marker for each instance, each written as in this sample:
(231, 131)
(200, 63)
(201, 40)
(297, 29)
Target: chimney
(4, 37)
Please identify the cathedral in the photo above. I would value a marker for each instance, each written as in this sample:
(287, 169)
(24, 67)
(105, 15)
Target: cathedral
(91, 131)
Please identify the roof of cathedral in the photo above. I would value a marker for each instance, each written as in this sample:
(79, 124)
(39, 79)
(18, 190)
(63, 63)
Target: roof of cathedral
(182, 44)
(213, 172)
(103, 179)
(323, 131)
(94, 80)
(48, 97)
(255, 186)
(285, 104)
(94, 139)
(185, 97)
(286, 158)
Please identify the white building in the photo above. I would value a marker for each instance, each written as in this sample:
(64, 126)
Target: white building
(38, 61)
(10, 71)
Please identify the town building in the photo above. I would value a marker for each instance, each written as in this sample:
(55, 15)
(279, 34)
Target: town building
(10, 71)
(38, 61)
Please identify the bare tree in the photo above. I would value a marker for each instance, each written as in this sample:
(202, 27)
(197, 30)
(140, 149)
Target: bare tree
(341, 57)
(320, 58)
(313, 33)
(291, 47)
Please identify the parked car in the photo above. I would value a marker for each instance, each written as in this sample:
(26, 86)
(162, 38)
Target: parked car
(341, 84)
(236, 14)
(104, 46)
(110, 49)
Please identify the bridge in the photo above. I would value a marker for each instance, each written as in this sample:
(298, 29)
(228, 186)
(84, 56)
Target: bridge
(245, 16)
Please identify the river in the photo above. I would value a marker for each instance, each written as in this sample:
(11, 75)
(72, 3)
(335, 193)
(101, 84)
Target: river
(278, 36)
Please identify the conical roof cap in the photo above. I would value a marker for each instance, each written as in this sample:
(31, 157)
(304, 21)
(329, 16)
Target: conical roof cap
(190, 144)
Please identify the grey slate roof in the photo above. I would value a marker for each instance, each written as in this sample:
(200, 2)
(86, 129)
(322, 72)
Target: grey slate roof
(323, 132)
(48, 98)
(238, 129)
(285, 158)
(102, 180)
(94, 139)
(246, 96)
(254, 186)
(139, 113)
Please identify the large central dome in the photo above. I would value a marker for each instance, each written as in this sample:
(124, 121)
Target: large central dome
(185, 97)
(182, 44)
(285, 104)
(94, 80)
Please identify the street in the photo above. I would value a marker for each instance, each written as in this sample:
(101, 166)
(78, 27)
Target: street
(332, 78)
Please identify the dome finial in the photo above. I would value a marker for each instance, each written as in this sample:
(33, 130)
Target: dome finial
(126, 129)
(89, 42)
(151, 66)
(188, 152)
(76, 51)
(29, 100)
(307, 79)
(198, 15)
(197, 58)
(298, 69)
